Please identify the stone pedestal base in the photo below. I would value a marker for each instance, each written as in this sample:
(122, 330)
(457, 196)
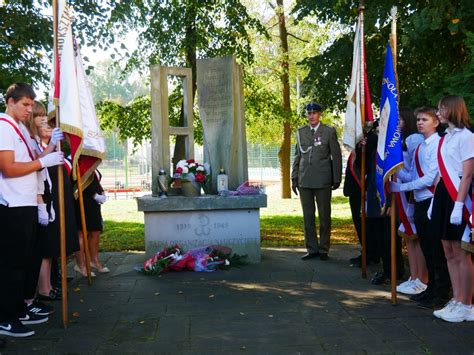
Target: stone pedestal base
(231, 221)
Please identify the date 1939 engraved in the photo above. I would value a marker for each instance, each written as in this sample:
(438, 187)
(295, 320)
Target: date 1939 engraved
(183, 226)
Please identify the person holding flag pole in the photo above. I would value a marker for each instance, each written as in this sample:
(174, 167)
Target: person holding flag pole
(389, 147)
(358, 111)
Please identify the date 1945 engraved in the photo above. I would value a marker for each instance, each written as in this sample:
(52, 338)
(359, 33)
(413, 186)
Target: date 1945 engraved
(221, 225)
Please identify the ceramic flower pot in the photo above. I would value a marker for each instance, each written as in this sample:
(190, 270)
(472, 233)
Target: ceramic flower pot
(190, 188)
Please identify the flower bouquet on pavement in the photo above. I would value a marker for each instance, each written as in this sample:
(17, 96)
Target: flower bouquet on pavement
(203, 259)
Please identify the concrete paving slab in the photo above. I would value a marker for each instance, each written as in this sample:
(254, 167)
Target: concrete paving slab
(281, 306)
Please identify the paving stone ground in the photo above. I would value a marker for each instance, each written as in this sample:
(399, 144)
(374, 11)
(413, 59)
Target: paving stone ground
(281, 306)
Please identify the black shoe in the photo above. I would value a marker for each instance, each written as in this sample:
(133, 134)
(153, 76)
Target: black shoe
(379, 278)
(426, 294)
(52, 296)
(323, 256)
(308, 256)
(355, 261)
(31, 318)
(15, 329)
(40, 309)
(435, 302)
(373, 261)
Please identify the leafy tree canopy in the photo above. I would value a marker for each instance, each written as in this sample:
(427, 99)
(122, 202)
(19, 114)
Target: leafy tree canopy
(435, 49)
(25, 38)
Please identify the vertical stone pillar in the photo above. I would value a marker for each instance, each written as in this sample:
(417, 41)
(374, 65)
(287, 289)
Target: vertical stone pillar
(221, 109)
(160, 123)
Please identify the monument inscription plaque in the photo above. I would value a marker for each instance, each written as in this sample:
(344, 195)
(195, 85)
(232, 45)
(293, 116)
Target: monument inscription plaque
(221, 109)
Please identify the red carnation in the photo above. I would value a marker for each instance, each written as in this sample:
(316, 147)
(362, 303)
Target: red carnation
(200, 177)
(190, 161)
(179, 170)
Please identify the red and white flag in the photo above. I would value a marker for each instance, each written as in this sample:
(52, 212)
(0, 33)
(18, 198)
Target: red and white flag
(70, 90)
(358, 95)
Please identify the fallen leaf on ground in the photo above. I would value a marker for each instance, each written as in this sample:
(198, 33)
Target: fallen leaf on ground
(76, 290)
(76, 314)
(211, 296)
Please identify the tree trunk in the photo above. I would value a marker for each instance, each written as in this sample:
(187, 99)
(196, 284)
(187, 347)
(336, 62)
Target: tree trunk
(285, 148)
(190, 52)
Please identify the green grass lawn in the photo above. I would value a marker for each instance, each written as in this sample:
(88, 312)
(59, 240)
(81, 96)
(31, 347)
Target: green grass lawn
(281, 224)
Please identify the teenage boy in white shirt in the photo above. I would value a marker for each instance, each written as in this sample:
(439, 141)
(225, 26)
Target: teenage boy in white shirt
(18, 208)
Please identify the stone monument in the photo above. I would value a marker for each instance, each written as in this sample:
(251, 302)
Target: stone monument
(221, 110)
(232, 221)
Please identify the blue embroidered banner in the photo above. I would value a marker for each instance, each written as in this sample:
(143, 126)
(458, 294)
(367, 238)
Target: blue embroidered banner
(389, 146)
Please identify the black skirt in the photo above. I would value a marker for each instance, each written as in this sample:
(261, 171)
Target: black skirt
(441, 214)
(92, 210)
(50, 235)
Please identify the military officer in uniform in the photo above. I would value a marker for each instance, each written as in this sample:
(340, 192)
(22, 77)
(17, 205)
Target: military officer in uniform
(317, 170)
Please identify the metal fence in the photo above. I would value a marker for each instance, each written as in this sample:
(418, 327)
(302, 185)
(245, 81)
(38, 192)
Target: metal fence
(130, 173)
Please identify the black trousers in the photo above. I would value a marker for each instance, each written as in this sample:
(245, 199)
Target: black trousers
(354, 203)
(439, 282)
(17, 241)
(371, 242)
(380, 229)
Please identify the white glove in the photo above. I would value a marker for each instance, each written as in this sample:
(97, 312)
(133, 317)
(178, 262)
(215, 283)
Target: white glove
(100, 199)
(394, 186)
(430, 209)
(56, 136)
(52, 213)
(410, 212)
(43, 217)
(52, 159)
(456, 215)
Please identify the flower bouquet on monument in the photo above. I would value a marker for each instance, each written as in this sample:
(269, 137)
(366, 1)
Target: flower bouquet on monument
(191, 176)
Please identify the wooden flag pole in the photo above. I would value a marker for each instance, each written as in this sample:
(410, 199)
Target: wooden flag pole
(85, 242)
(393, 235)
(62, 222)
(363, 150)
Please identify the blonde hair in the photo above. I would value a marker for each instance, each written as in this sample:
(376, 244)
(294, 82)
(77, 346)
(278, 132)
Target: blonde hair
(456, 110)
(38, 111)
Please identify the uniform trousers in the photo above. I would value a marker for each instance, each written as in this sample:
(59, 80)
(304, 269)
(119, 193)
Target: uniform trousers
(323, 201)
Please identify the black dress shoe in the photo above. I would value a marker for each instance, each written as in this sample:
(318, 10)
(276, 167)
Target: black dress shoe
(308, 256)
(323, 256)
(379, 278)
(435, 302)
(426, 294)
(52, 296)
(355, 261)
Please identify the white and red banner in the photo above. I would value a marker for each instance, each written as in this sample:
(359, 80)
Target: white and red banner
(359, 105)
(70, 91)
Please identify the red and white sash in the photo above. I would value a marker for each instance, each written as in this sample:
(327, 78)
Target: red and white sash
(355, 174)
(452, 181)
(406, 229)
(21, 136)
(419, 170)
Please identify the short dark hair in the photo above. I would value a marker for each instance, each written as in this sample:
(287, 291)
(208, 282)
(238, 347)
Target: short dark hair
(18, 91)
